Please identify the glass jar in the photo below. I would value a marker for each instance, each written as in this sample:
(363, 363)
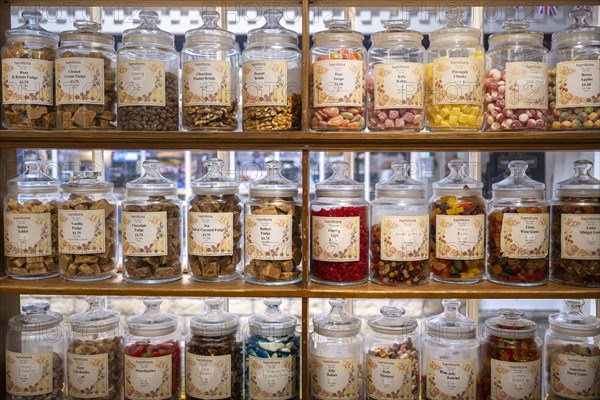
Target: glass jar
(572, 355)
(392, 346)
(210, 66)
(272, 355)
(575, 243)
(516, 80)
(336, 351)
(273, 230)
(518, 230)
(337, 75)
(457, 218)
(95, 353)
(451, 366)
(152, 228)
(574, 56)
(148, 78)
(395, 92)
(400, 230)
(214, 226)
(271, 77)
(214, 362)
(339, 217)
(511, 354)
(31, 224)
(86, 78)
(35, 348)
(28, 75)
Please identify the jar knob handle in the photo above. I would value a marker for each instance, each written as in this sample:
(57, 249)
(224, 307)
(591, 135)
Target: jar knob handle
(338, 25)
(517, 170)
(337, 302)
(31, 17)
(454, 15)
(214, 165)
(211, 19)
(149, 17)
(580, 16)
(87, 25)
(510, 314)
(273, 16)
(392, 311)
(583, 169)
(214, 303)
(396, 25)
(574, 306)
(451, 306)
(35, 308)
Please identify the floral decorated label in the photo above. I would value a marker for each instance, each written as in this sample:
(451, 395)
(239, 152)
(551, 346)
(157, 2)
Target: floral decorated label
(208, 377)
(207, 82)
(80, 80)
(271, 378)
(458, 80)
(269, 237)
(27, 81)
(405, 238)
(334, 378)
(577, 84)
(459, 237)
(148, 378)
(335, 239)
(451, 379)
(142, 83)
(87, 375)
(580, 236)
(389, 378)
(81, 232)
(264, 83)
(398, 85)
(516, 380)
(525, 235)
(29, 374)
(527, 85)
(145, 233)
(27, 235)
(575, 377)
(210, 234)
(338, 83)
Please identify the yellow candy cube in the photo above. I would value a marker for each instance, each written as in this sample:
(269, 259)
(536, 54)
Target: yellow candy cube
(438, 119)
(466, 109)
(445, 124)
(476, 111)
(472, 120)
(455, 111)
(453, 120)
(443, 113)
(463, 118)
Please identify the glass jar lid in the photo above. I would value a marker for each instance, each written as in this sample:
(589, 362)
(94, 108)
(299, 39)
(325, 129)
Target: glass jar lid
(337, 322)
(457, 181)
(518, 185)
(574, 322)
(579, 32)
(32, 29)
(35, 317)
(272, 33)
(152, 322)
(272, 322)
(214, 321)
(151, 183)
(510, 324)
(455, 32)
(339, 30)
(87, 182)
(393, 322)
(33, 180)
(396, 32)
(340, 184)
(516, 32)
(582, 184)
(148, 32)
(214, 181)
(400, 184)
(273, 184)
(209, 31)
(96, 319)
(87, 31)
(450, 324)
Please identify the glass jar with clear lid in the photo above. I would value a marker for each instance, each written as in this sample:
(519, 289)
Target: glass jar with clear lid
(339, 217)
(574, 239)
(152, 228)
(35, 347)
(273, 230)
(337, 78)
(395, 78)
(214, 226)
(31, 224)
(28, 75)
(148, 78)
(86, 78)
(271, 77)
(457, 227)
(400, 230)
(210, 66)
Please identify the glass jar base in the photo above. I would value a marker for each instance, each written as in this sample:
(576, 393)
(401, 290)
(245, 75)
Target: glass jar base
(225, 278)
(499, 282)
(569, 283)
(330, 283)
(33, 277)
(90, 279)
(281, 283)
(152, 281)
(401, 284)
(457, 281)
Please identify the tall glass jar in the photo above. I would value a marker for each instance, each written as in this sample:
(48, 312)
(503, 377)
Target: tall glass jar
(35, 348)
(28, 75)
(337, 75)
(518, 230)
(273, 230)
(575, 243)
(400, 230)
(271, 77)
(152, 228)
(395, 92)
(210, 66)
(214, 229)
(272, 355)
(86, 78)
(336, 352)
(148, 78)
(573, 93)
(457, 218)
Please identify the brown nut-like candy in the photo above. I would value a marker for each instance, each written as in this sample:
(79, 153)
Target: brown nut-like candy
(274, 118)
(211, 116)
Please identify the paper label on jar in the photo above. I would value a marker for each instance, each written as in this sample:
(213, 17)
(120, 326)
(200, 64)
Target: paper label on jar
(29, 374)
(27, 81)
(148, 378)
(264, 83)
(577, 84)
(142, 83)
(79, 80)
(398, 85)
(334, 378)
(525, 236)
(459, 237)
(208, 377)
(451, 379)
(405, 238)
(516, 380)
(336, 239)
(269, 237)
(210, 234)
(271, 378)
(575, 377)
(144, 233)
(389, 379)
(339, 83)
(526, 85)
(207, 83)
(81, 232)
(580, 236)
(458, 81)
(27, 235)
(87, 375)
